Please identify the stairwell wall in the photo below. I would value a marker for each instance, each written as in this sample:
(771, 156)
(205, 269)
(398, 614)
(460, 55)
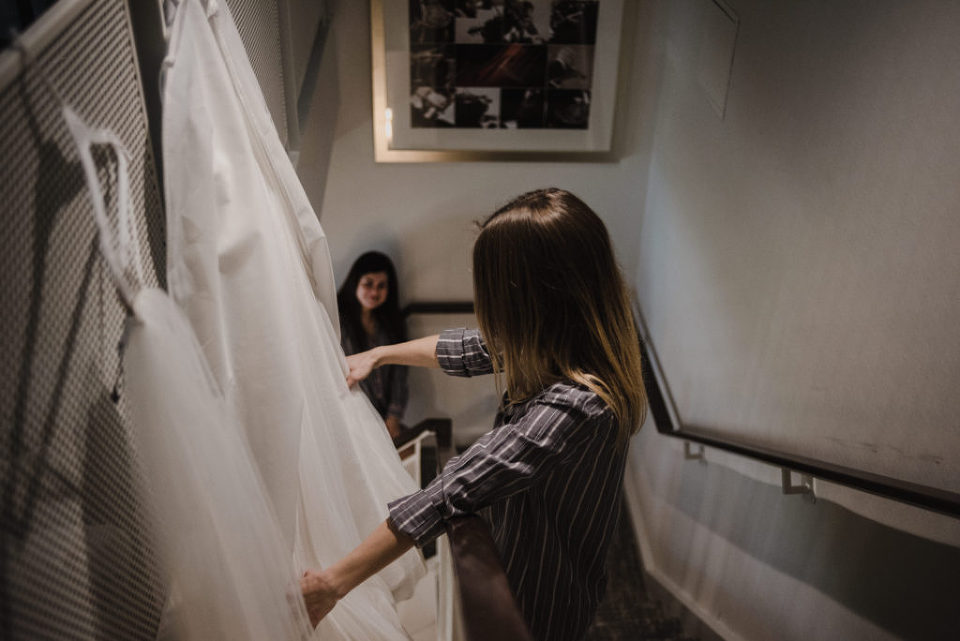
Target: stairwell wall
(797, 268)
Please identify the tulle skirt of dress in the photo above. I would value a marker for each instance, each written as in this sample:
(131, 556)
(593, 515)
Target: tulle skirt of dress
(227, 565)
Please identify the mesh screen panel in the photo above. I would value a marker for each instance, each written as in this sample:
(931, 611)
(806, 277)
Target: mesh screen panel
(258, 22)
(76, 561)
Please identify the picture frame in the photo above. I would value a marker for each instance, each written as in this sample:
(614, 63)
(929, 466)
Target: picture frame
(475, 80)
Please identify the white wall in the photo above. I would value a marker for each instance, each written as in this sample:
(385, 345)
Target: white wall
(798, 269)
(800, 262)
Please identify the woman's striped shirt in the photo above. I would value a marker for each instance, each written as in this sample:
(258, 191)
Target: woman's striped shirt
(548, 481)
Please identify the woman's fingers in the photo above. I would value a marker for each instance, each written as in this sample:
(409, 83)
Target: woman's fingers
(353, 377)
(360, 365)
(318, 595)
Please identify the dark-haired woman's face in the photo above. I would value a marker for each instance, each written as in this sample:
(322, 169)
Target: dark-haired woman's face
(372, 290)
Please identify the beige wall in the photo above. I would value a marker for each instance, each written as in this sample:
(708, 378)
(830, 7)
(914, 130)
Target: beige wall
(798, 269)
(799, 261)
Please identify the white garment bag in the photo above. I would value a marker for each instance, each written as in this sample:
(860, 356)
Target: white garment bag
(223, 557)
(249, 264)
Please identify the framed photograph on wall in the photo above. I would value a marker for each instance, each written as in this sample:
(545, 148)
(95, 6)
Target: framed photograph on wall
(494, 79)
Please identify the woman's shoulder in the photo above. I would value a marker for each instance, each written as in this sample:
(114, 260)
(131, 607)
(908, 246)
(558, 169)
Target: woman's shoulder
(567, 410)
(568, 394)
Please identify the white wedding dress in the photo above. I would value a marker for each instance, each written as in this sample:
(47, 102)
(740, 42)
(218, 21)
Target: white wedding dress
(228, 566)
(222, 555)
(248, 263)
(224, 559)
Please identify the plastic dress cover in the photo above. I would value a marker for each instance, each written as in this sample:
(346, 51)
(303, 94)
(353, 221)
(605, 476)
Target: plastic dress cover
(249, 264)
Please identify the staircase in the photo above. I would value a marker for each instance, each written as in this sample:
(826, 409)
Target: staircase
(628, 612)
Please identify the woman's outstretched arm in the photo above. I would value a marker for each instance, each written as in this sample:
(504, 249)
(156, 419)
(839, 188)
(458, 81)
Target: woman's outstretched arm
(421, 352)
(322, 589)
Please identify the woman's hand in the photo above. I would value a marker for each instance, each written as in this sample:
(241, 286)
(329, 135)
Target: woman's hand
(360, 364)
(322, 589)
(319, 595)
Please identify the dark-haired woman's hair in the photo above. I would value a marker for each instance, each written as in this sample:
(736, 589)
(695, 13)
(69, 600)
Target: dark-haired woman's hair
(387, 315)
(552, 304)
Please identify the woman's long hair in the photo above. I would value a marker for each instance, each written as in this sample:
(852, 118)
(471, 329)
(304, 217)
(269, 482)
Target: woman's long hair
(387, 315)
(552, 304)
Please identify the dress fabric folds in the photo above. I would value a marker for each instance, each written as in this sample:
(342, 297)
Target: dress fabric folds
(223, 558)
(248, 264)
(194, 456)
(228, 567)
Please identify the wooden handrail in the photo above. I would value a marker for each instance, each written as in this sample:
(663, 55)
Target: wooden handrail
(439, 426)
(488, 609)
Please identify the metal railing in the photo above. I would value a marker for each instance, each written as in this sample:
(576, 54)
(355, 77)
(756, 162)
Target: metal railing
(924, 496)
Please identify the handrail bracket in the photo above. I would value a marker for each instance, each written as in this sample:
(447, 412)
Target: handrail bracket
(690, 455)
(804, 488)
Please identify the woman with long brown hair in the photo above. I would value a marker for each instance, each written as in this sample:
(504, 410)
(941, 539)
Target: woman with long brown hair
(556, 327)
(370, 316)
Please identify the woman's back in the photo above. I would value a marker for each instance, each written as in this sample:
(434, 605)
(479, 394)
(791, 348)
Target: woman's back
(547, 479)
(553, 542)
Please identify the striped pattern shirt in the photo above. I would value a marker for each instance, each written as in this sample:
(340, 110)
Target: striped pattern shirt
(547, 479)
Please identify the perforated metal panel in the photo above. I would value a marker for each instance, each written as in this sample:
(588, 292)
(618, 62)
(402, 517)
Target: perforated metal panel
(76, 561)
(259, 25)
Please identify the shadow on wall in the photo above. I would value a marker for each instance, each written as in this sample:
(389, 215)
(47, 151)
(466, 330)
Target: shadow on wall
(319, 121)
(156, 225)
(74, 556)
(901, 582)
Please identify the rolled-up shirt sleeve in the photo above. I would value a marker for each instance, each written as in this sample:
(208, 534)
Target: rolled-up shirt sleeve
(462, 352)
(510, 459)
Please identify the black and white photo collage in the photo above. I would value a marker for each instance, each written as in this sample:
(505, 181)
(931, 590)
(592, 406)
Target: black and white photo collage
(502, 64)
